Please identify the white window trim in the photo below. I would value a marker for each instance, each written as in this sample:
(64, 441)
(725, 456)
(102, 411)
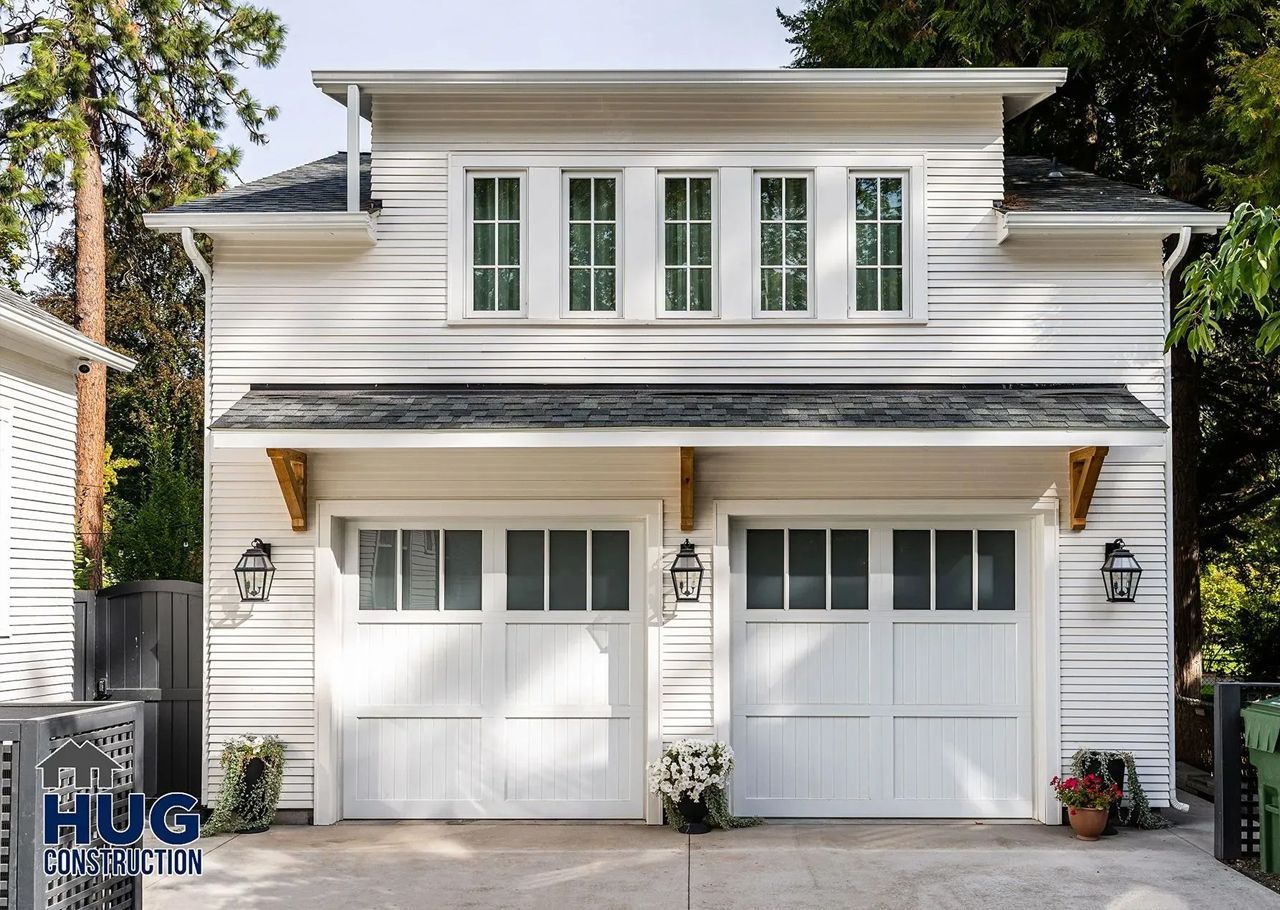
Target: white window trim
(7, 477)
(661, 257)
(563, 264)
(469, 240)
(756, 311)
(914, 252)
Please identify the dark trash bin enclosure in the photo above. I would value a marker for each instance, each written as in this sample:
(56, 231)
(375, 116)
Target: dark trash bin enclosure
(29, 733)
(144, 641)
(1262, 737)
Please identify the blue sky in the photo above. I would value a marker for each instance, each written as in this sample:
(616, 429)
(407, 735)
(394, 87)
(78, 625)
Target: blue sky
(489, 34)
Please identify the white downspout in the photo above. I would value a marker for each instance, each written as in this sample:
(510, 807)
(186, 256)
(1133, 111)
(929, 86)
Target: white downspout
(206, 273)
(353, 148)
(1171, 263)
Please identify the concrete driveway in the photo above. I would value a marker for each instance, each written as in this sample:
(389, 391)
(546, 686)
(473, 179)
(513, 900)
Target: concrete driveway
(565, 866)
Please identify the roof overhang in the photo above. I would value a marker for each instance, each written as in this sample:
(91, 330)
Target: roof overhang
(1157, 224)
(681, 436)
(352, 227)
(1020, 87)
(25, 331)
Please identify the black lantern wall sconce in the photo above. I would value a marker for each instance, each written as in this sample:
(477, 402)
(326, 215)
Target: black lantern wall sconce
(254, 572)
(686, 574)
(1120, 573)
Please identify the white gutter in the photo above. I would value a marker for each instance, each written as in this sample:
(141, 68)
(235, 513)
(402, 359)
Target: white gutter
(353, 225)
(1171, 263)
(206, 273)
(1159, 223)
(60, 337)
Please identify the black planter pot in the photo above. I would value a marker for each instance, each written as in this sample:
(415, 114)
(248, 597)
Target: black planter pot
(1115, 768)
(694, 815)
(254, 770)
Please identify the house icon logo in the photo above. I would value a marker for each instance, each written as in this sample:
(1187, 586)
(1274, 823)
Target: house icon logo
(90, 766)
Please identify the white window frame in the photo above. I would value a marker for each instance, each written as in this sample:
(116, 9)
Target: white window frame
(913, 246)
(756, 265)
(565, 177)
(8, 476)
(661, 257)
(523, 176)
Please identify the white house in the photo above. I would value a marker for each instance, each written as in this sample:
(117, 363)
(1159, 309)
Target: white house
(39, 359)
(897, 389)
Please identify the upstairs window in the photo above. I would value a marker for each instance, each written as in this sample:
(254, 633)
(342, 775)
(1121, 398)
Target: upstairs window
(497, 279)
(592, 248)
(688, 243)
(782, 243)
(879, 242)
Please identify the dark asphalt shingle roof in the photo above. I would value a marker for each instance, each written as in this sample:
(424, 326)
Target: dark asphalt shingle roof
(509, 407)
(1029, 188)
(319, 186)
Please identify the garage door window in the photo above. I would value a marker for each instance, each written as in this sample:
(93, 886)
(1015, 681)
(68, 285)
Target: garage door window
(420, 569)
(953, 570)
(583, 570)
(806, 569)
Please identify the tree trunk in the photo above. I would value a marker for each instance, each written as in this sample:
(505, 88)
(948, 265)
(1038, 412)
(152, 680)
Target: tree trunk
(91, 319)
(1188, 627)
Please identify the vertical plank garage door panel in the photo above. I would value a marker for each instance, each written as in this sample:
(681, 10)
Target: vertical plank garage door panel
(469, 697)
(845, 706)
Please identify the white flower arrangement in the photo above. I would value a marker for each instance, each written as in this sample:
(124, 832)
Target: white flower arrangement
(690, 767)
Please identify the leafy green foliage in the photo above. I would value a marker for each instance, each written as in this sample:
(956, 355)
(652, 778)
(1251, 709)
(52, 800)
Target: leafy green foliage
(1241, 593)
(146, 83)
(113, 468)
(161, 536)
(1244, 272)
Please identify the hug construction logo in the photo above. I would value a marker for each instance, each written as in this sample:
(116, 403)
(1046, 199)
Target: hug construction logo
(107, 828)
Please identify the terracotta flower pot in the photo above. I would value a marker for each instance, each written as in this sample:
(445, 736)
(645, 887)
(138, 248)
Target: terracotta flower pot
(1088, 824)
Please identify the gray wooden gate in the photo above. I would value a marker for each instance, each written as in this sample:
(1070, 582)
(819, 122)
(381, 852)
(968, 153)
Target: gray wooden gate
(144, 641)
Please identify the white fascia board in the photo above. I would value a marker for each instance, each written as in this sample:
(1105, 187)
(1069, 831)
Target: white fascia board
(40, 336)
(1156, 223)
(1021, 87)
(355, 226)
(659, 437)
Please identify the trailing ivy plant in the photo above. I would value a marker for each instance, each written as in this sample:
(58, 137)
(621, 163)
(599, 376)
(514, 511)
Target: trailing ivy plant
(242, 807)
(1134, 809)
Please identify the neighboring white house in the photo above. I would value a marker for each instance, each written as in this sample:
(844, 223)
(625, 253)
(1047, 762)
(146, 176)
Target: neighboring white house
(39, 358)
(897, 389)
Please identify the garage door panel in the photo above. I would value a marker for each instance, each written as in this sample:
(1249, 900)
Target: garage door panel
(805, 663)
(570, 760)
(957, 758)
(944, 663)
(420, 758)
(917, 704)
(805, 758)
(569, 664)
(417, 663)
(488, 705)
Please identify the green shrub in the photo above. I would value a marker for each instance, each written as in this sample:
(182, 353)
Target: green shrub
(1240, 592)
(161, 537)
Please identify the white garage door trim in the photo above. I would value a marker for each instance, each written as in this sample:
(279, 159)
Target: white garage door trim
(337, 524)
(1038, 523)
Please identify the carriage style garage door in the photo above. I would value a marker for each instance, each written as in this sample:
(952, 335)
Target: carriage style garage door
(494, 671)
(881, 669)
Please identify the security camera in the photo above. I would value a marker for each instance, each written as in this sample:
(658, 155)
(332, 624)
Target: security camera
(83, 367)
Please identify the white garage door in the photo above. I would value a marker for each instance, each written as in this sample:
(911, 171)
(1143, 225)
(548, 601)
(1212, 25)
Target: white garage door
(494, 671)
(881, 670)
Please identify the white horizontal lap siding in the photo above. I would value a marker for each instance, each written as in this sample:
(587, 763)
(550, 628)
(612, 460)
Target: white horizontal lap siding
(1061, 310)
(1115, 657)
(36, 657)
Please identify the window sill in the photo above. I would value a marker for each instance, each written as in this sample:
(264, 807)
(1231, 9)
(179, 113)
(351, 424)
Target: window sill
(686, 322)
